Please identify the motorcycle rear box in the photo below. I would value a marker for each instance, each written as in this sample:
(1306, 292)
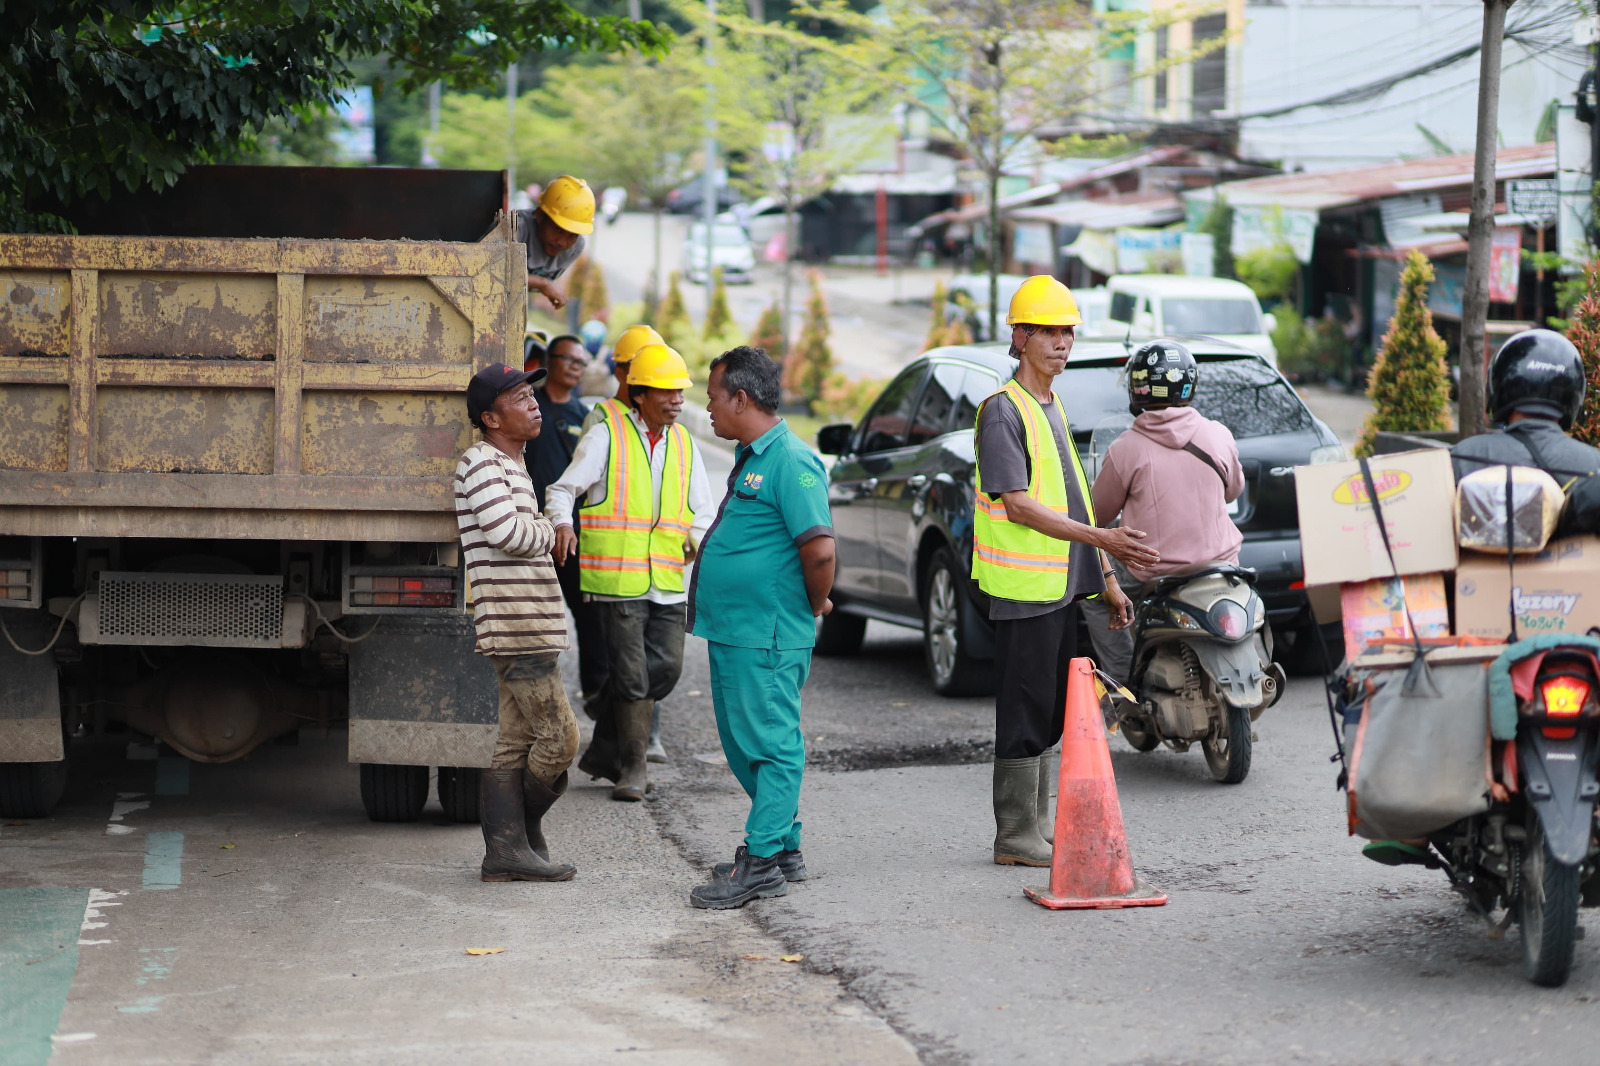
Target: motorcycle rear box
(1556, 590)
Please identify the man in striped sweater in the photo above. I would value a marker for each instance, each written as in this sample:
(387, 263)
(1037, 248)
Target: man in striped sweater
(521, 626)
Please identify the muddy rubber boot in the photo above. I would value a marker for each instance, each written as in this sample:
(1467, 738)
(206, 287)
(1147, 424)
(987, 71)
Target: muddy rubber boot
(790, 862)
(750, 878)
(1016, 814)
(655, 752)
(506, 854)
(600, 758)
(537, 799)
(633, 739)
(1047, 806)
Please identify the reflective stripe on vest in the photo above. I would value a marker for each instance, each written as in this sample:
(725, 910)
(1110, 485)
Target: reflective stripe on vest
(1009, 560)
(622, 550)
(611, 410)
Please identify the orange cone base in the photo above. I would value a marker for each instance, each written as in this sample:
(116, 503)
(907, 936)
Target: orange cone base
(1143, 895)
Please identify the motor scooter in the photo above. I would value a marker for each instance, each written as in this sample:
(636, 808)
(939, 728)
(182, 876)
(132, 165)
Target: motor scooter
(1202, 667)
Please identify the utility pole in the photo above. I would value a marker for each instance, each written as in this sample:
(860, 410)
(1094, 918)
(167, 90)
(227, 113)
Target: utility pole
(710, 206)
(511, 132)
(1480, 228)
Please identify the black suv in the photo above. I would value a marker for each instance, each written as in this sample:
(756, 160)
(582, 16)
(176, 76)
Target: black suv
(902, 491)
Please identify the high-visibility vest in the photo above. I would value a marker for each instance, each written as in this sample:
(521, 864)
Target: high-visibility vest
(1009, 560)
(611, 410)
(622, 549)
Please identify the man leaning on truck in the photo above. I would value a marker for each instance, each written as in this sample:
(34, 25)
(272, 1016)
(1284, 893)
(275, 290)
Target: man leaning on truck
(521, 626)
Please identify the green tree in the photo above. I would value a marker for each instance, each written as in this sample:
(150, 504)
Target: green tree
(1583, 330)
(810, 364)
(1273, 273)
(718, 317)
(768, 335)
(798, 111)
(672, 317)
(1219, 223)
(1410, 383)
(100, 93)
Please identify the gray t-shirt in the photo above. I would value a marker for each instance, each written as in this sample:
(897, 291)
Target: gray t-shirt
(545, 266)
(1004, 466)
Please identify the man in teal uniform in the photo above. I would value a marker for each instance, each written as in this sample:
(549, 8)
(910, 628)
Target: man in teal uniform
(763, 577)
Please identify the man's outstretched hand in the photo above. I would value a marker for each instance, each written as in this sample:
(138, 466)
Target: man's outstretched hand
(1126, 545)
(566, 544)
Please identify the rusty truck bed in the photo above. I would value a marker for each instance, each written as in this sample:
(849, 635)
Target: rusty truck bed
(227, 388)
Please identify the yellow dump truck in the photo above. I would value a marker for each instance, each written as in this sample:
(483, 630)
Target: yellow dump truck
(225, 473)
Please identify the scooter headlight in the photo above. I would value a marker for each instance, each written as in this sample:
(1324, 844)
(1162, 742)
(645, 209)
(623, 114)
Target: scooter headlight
(1229, 620)
(1258, 612)
(1182, 619)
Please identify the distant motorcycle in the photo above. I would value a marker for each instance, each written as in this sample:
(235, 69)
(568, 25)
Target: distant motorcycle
(1202, 670)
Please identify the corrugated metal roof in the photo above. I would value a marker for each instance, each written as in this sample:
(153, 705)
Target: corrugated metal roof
(1323, 189)
(1130, 209)
(1111, 168)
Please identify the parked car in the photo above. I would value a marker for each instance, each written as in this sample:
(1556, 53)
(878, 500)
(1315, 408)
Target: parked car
(731, 251)
(690, 197)
(1170, 305)
(902, 491)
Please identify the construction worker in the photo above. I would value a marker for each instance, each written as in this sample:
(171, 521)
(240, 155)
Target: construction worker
(647, 504)
(1036, 552)
(763, 579)
(553, 232)
(520, 626)
(628, 344)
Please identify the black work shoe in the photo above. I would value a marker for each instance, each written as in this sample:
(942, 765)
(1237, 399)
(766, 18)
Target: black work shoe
(751, 877)
(790, 862)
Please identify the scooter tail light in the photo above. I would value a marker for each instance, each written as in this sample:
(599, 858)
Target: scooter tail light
(1230, 619)
(1564, 697)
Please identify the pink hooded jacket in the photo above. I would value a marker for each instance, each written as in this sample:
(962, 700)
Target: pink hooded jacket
(1170, 494)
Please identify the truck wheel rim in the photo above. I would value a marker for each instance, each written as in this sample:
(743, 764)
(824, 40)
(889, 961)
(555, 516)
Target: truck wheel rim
(942, 620)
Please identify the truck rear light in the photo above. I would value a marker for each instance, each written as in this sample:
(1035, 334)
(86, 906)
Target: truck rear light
(370, 590)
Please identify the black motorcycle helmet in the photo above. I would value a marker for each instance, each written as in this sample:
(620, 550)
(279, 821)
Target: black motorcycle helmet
(1161, 374)
(1540, 372)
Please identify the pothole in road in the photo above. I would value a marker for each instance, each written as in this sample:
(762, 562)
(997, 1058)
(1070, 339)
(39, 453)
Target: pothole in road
(942, 753)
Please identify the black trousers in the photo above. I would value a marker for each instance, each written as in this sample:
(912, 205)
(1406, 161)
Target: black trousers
(646, 643)
(1031, 656)
(591, 635)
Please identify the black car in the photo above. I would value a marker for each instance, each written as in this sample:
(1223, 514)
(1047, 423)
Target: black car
(902, 491)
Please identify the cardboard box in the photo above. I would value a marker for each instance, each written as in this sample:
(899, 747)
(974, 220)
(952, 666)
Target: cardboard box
(1557, 591)
(1375, 611)
(1339, 538)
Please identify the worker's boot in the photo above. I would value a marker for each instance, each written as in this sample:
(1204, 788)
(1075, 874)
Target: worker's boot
(655, 752)
(600, 758)
(751, 877)
(633, 740)
(537, 799)
(1047, 807)
(1016, 814)
(791, 863)
(506, 854)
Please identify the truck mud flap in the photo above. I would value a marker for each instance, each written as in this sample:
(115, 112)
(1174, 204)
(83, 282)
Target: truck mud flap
(420, 696)
(30, 694)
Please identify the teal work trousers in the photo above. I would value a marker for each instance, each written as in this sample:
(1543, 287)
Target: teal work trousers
(756, 693)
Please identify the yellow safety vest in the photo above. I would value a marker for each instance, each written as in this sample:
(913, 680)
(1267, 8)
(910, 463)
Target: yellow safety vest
(1009, 560)
(622, 550)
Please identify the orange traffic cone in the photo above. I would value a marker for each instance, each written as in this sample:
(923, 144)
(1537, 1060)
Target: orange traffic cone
(1090, 867)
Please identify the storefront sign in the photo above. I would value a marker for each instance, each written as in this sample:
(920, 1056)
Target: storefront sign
(1505, 264)
(1149, 251)
(1268, 227)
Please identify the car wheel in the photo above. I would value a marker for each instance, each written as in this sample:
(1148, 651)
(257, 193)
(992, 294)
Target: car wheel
(945, 612)
(841, 634)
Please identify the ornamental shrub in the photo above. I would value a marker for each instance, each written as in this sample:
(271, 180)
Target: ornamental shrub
(806, 369)
(1410, 382)
(769, 334)
(1583, 330)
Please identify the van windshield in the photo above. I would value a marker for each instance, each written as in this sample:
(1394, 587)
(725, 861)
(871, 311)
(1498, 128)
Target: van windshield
(1213, 317)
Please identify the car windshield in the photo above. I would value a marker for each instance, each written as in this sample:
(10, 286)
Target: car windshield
(1214, 317)
(1245, 395)
(722, 236)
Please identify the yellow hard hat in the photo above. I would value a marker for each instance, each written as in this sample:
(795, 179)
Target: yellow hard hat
(569, 203)
(1043, 301)
(633, 338)
(658, 367)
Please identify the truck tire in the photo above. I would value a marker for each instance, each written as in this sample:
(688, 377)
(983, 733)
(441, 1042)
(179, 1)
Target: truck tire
(946, 611)
(393, 793)
(841, 634)
(31, 789)
(458, 792)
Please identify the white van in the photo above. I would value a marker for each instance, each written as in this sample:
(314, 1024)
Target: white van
(1172, 305)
